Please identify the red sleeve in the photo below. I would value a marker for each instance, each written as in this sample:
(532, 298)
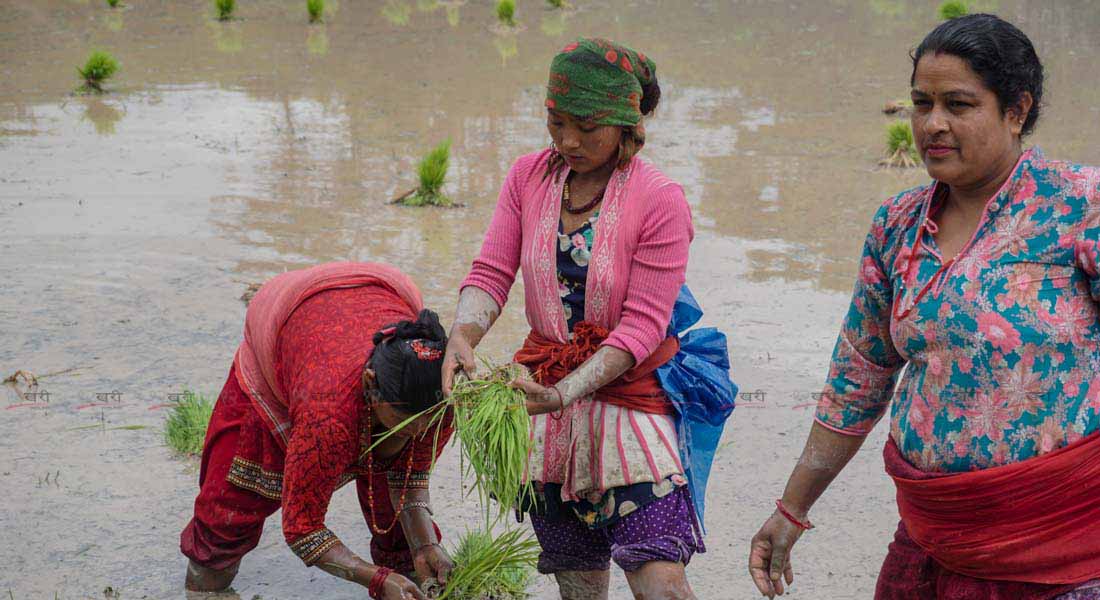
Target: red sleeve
(323, 443)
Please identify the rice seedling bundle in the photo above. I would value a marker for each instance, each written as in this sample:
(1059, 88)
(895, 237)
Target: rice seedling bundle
(432, 172)
(112, 3)
(99, 67)
(185, 429)
(491, 422)
(225, 9)
(506, 12)
(900, 147)
(488, 568)
(953, 9)
(316, 9)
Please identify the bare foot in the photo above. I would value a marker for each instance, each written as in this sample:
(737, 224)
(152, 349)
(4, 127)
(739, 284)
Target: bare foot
(203, 579)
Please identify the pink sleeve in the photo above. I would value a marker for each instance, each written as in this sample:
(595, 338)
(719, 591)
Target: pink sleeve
(657, 272)
(494, 269)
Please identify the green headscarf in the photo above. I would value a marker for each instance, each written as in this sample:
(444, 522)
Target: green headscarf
(601, 81)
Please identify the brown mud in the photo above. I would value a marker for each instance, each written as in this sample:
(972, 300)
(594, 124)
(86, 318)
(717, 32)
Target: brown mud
(225, 153)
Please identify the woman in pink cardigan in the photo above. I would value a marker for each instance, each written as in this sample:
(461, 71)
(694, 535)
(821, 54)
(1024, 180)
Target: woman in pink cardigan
(602, 239)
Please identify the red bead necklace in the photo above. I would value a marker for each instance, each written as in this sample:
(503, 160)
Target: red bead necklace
(373, 524)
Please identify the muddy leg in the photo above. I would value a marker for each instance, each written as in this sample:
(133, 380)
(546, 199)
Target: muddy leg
(203, 579)
(660, 580)
(583, 585)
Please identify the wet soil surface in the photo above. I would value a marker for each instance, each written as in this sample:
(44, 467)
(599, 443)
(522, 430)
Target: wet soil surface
(228, 152)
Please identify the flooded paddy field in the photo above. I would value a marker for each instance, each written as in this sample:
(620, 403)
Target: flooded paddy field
(225, 153)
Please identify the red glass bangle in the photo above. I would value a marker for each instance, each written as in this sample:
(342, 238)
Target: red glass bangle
(377, 581)
(807, 525)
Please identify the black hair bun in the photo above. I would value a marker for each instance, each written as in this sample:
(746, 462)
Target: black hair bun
(651, 95)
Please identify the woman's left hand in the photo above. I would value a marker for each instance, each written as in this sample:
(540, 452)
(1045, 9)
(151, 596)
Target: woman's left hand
(431, 562)
(540, 399)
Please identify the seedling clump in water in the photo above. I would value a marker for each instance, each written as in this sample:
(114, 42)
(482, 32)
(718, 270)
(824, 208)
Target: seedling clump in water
(953, 9)
(488, 568)
(556, 3)
(112, 3)
(185, 429)
(100, 67)
(225, 9)
(316, 10)
(901, 150)
(432, 172)
(506, 12)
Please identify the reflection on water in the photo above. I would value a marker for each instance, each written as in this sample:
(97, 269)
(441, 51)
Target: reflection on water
(397, 12)
(102, 115)
(317, 41)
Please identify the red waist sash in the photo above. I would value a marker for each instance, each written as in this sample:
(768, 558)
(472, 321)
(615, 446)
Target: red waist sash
(637, 389)
(1037, 520)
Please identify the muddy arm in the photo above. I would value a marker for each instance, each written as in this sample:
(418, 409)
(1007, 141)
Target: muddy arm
(476, 313)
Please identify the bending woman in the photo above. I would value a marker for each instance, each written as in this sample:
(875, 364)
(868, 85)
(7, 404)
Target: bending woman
(985, 285)
(602, 238)
(332, 356)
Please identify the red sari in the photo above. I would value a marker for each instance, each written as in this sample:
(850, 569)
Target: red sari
(250, 470)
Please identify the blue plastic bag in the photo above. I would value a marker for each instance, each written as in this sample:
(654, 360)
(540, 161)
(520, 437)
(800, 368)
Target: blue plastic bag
(697, 382)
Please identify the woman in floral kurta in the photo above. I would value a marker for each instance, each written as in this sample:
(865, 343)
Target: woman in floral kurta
(1003, 349)
(984, 286)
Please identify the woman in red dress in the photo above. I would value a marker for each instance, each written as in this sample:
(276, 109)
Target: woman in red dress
(332, 357)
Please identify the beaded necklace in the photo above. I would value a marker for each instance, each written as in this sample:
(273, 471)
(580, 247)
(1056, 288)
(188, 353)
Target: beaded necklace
(373, 523)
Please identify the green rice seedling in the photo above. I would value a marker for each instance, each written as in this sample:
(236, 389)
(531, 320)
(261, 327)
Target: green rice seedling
(185, 429)
(432, 172)
(953, 9)
(99, 67)
(557, 3)
(506, 12)
(900, 147)
(488, 568)
(225, 9)
(113, 3)
(316, 9)
(491, 422)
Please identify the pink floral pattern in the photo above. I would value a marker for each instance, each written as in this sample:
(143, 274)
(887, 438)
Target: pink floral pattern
(1002, 353)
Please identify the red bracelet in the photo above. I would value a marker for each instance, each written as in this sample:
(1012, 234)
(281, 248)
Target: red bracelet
(783, 511)
(376, 582)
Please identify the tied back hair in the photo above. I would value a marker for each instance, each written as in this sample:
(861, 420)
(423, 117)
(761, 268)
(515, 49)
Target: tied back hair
(407, 362)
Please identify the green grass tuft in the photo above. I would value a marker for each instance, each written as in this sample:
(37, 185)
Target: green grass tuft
(900, 147)
(506, 12)
(432, 172)
(500, 568)
(185, 429)
(953, 9)
(316, 10)
(225, 9)
(99, 67)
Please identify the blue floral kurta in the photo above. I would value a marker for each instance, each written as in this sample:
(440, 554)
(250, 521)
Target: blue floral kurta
(1002, 350)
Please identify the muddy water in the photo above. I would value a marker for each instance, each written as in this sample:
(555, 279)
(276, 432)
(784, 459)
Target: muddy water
(228, 152)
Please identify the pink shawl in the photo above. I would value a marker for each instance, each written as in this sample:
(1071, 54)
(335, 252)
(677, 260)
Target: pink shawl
(269, 311)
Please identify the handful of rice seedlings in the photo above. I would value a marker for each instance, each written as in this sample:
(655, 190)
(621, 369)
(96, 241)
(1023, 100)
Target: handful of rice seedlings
(488, 568)
(492, 423)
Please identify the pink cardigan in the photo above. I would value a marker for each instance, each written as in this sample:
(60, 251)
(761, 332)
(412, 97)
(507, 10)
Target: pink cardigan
(639, 254)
